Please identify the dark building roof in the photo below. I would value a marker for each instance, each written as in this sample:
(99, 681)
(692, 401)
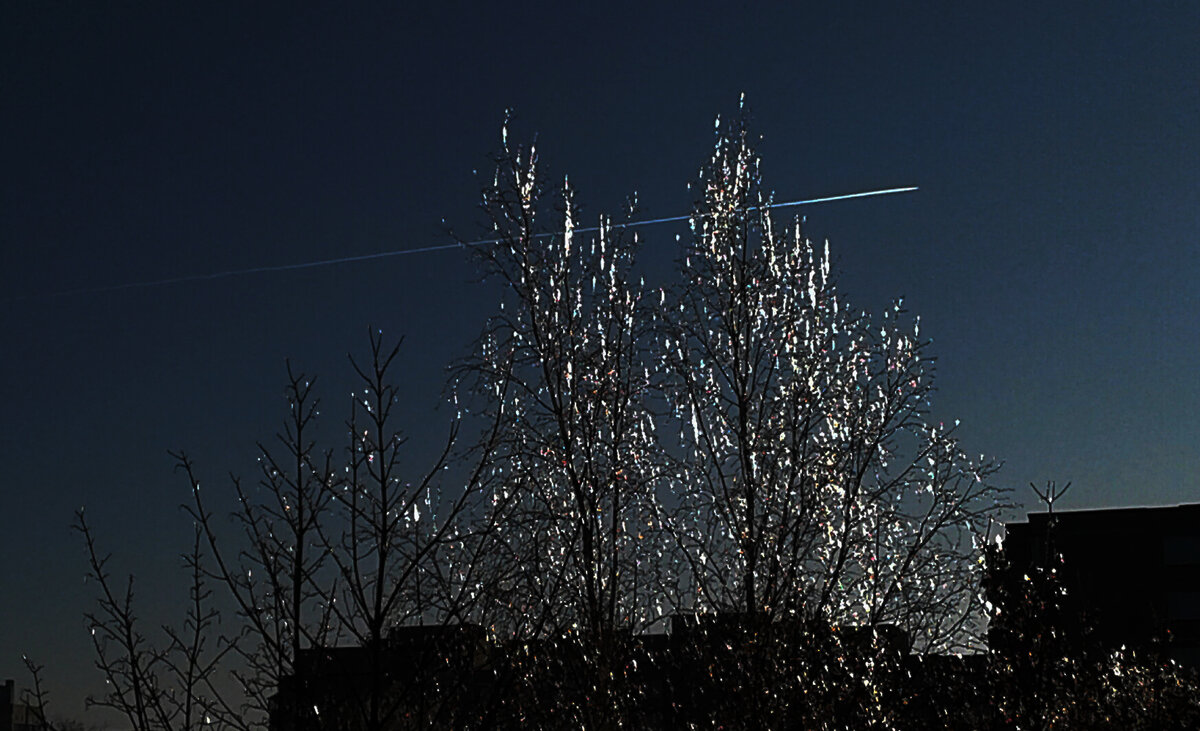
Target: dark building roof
(1135, 572)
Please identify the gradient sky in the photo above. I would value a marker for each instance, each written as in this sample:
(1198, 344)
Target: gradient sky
(1051, 251)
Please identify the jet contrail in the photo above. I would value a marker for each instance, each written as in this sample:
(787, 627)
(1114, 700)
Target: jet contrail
(427, 249)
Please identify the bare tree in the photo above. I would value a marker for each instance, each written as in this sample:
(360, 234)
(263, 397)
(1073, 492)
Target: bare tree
(816, 484)
(565, 366)
(37, 699)
(168, 685)
(341, 554)
(275, 575)
(401, 542)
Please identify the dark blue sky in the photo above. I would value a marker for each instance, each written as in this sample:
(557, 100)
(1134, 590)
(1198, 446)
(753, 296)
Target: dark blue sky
(1051, 251)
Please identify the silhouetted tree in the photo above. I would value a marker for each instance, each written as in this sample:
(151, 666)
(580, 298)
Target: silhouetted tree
(163, 685)
(274, 574)
(392, 534)
(340, 551)
(37, 698)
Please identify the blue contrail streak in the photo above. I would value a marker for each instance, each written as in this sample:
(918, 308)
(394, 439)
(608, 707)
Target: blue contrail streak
(427, 249)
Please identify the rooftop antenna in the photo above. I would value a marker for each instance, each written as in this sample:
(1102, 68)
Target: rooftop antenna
(1050, 495)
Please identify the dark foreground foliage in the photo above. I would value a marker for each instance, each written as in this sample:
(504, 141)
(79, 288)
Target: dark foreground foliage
(745, 672)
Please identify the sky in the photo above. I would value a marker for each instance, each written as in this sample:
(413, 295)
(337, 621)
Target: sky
(1051, 250)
